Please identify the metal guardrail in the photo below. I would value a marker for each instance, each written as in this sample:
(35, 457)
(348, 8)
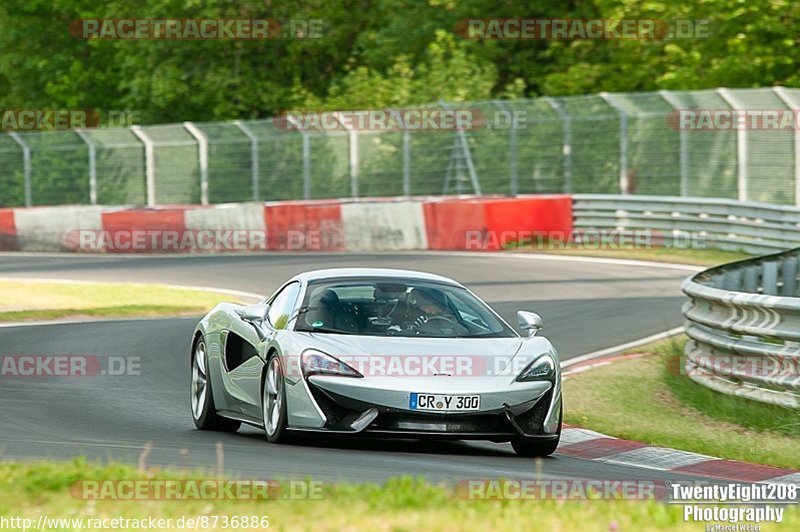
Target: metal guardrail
(693, 222)
(743, 321)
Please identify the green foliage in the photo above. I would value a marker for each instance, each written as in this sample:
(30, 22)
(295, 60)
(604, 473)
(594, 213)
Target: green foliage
(375, 54)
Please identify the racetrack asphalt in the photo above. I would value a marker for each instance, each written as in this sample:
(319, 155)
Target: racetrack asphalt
(586, 306)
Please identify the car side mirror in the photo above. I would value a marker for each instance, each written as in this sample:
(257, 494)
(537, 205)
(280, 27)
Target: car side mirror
(254, 313)
(529, 321)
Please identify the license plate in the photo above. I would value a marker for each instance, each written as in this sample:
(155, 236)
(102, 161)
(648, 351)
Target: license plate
(436, 402)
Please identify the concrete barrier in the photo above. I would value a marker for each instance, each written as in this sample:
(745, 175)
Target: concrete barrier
(8, 231)
(384, 226)
(55, 228)
(377, 224)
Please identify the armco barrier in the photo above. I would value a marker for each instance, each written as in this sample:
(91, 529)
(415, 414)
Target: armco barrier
(743, 321)
(464, 223)
(694, 222)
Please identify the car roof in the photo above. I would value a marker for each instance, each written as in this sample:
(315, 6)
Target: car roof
(334, 273)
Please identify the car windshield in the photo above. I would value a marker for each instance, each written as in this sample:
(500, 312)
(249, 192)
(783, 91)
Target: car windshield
(397, 307)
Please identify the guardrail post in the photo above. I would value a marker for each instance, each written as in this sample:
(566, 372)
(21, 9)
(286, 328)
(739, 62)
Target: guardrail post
(741, 142)
(92, 165)
(566, 141)
(254, 159)
(683, 139)
(789, 277)
(769, 278)
(624, 181)
(750, 279)
(149, 164)
(732, 280)
(792, 103)
(202, 154)
(26, 167)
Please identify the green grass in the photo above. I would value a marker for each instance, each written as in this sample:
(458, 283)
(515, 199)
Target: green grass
(33, 489)
(645, 399)
(22, 300)
(699, 257)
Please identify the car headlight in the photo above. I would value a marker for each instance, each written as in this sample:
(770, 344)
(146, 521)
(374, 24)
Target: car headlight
(318, 363)
(543, 368)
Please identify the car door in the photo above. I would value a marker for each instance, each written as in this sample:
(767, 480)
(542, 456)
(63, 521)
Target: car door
(244, 372)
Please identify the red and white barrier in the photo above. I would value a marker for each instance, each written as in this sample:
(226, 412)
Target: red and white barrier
(382, 224)
(8, 231)
(51, 228)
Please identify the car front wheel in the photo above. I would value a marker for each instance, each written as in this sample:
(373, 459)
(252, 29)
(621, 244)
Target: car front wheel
(274, 401)
(204, 412)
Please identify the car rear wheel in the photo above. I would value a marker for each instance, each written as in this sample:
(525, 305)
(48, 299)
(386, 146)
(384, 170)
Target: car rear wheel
(204, 412)
(531, 448)
(274, 401)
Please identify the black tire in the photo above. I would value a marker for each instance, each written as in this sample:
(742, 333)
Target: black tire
(531, 448)
(204, 413)
(275, 430)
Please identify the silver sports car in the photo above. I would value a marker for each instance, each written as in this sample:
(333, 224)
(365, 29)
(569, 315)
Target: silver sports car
(392, 353)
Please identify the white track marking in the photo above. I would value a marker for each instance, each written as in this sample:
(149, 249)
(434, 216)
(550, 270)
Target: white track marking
(622, 347)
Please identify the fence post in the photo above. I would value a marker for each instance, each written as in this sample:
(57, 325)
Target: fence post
(683, 138)
(306, 155)
(26, 166)
(406, 162)
(254, 162)
(624, 182)
(202, 154)
(566, 141)
(513, 168)
(92, 165)
(353, 143)
(462, 139)
(149, 164)
(741, 143)
(792, 104)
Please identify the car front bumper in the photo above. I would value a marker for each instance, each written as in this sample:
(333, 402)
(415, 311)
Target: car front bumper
(381, 407)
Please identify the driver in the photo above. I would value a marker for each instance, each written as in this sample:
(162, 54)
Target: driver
(434, 316)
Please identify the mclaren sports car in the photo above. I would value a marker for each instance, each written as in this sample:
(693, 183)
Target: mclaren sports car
(376, 352)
